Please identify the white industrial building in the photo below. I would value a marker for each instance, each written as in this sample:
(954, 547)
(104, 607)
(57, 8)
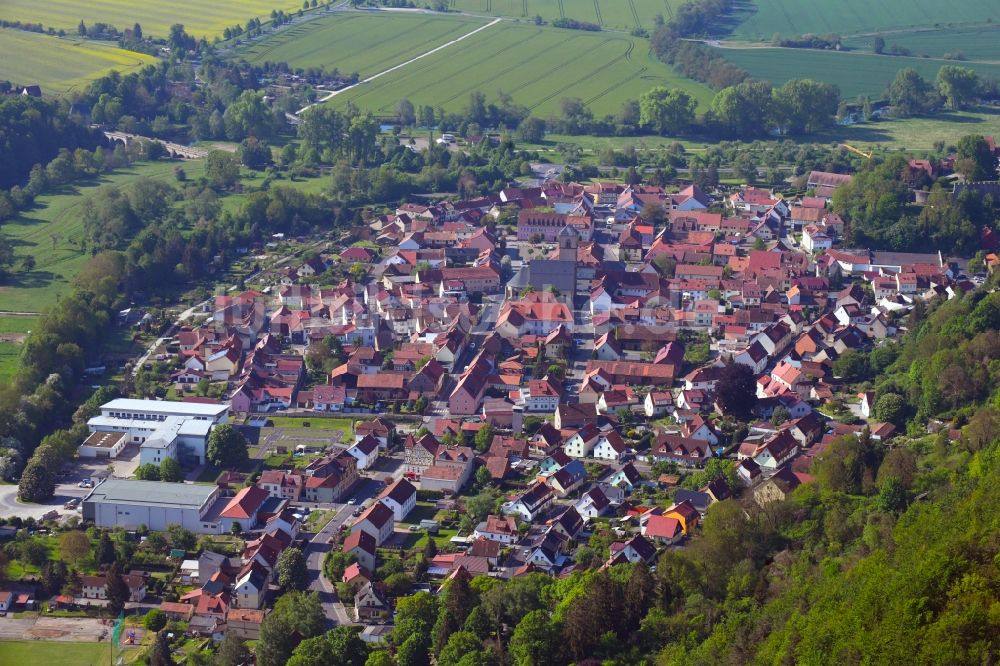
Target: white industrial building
(155, 504)
(163, 429)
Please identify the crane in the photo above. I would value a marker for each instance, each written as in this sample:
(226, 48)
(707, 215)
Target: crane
(857, 151)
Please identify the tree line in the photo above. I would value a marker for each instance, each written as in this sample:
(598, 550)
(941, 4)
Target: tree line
(878, 205)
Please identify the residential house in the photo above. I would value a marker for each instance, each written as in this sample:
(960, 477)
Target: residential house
(779, 486)
(626, 477)
(593, 503)
(568, 478)
(401, 497)
(664, 530)
(502, 529)
(610, 446)
(531, 503)
(365, 452)
(583, 441)
(362, 546)
(635, 550)
(377, 521)
(370, 603)
(686, 514)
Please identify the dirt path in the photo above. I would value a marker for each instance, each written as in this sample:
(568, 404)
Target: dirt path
(401, 65)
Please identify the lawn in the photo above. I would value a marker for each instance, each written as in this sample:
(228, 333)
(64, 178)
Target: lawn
(366, 43)
(346, 426)
(50, 232)
(61, 66)
(537, 66)
(10, 353)
(856, 73)
(201, 19)
(55, 652)
(764, 18)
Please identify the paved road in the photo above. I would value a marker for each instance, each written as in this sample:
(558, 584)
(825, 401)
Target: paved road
(316, 550)
(319, 546)
(10, 507)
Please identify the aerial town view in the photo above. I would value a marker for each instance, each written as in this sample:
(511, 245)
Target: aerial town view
(496, 333)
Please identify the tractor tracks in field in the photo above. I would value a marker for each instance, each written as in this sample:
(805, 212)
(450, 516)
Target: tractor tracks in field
(402, 64)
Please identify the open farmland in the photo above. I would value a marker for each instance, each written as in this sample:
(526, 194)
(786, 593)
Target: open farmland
(617, 14)
(854, 72)
(761, 19)
(537, 66)
(201, 19)
(50, 233)
(62, 65)
(358, 42)
(979, 43)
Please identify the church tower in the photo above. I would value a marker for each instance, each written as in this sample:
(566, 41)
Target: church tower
(569, 240)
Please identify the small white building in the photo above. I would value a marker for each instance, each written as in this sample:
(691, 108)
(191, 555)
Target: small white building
(401, 497)
(103, 445)
(365, 452)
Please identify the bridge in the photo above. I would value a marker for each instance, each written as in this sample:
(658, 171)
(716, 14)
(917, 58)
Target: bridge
(173, 149)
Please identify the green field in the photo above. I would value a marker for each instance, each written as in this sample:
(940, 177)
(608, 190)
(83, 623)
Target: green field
(978, 43)
(201, 19)
(358, 42)
(536, 66)
(59, 65)
(761, 19)
(50, 231)
(57, 652)
(854, 72)
(616, 14)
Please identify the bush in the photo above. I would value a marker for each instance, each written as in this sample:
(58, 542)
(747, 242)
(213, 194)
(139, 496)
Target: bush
(155, 620)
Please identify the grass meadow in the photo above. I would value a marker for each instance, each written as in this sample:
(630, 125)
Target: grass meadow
(51, 232)
(761, 19)
(61, 65)
(537, 66)
(856, 73)
(201, 19)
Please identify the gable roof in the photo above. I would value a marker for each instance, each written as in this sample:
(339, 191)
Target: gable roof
(246, 504)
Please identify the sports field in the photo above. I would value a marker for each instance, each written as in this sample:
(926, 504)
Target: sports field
(201, 19)
(358, 42)
(58, 652)
(50, 233)
(59, 65)
(854, 72)
(617, 14)
(763, 18)
(537, 66)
